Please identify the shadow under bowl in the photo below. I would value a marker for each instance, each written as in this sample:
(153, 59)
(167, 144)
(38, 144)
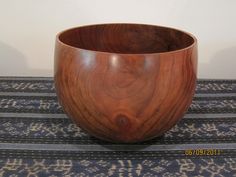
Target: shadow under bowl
(125, 82)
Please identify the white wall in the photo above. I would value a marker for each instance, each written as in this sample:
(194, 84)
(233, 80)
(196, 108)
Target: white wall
(28, 29)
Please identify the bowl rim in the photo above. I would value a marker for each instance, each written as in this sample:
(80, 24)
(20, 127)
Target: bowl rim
(115, 53)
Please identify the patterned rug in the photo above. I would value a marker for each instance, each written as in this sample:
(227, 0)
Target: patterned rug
(37, 138)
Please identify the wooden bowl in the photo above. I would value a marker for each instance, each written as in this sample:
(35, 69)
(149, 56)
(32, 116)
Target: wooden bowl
(125, 82)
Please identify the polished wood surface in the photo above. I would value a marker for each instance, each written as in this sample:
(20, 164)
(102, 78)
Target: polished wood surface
(125, 82)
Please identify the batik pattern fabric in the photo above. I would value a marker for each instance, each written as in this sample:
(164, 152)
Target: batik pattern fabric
(37, 139)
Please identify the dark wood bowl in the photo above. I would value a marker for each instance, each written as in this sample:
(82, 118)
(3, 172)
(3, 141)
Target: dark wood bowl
(125, 82)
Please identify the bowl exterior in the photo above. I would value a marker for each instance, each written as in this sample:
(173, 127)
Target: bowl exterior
(125, 97)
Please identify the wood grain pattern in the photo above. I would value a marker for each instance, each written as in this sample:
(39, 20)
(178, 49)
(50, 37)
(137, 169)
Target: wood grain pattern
(125, 82)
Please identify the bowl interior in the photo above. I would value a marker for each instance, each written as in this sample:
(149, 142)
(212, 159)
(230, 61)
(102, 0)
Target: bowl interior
(126, 38)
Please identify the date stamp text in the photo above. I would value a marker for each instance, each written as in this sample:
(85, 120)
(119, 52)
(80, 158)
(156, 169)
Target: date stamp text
(202, 152)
